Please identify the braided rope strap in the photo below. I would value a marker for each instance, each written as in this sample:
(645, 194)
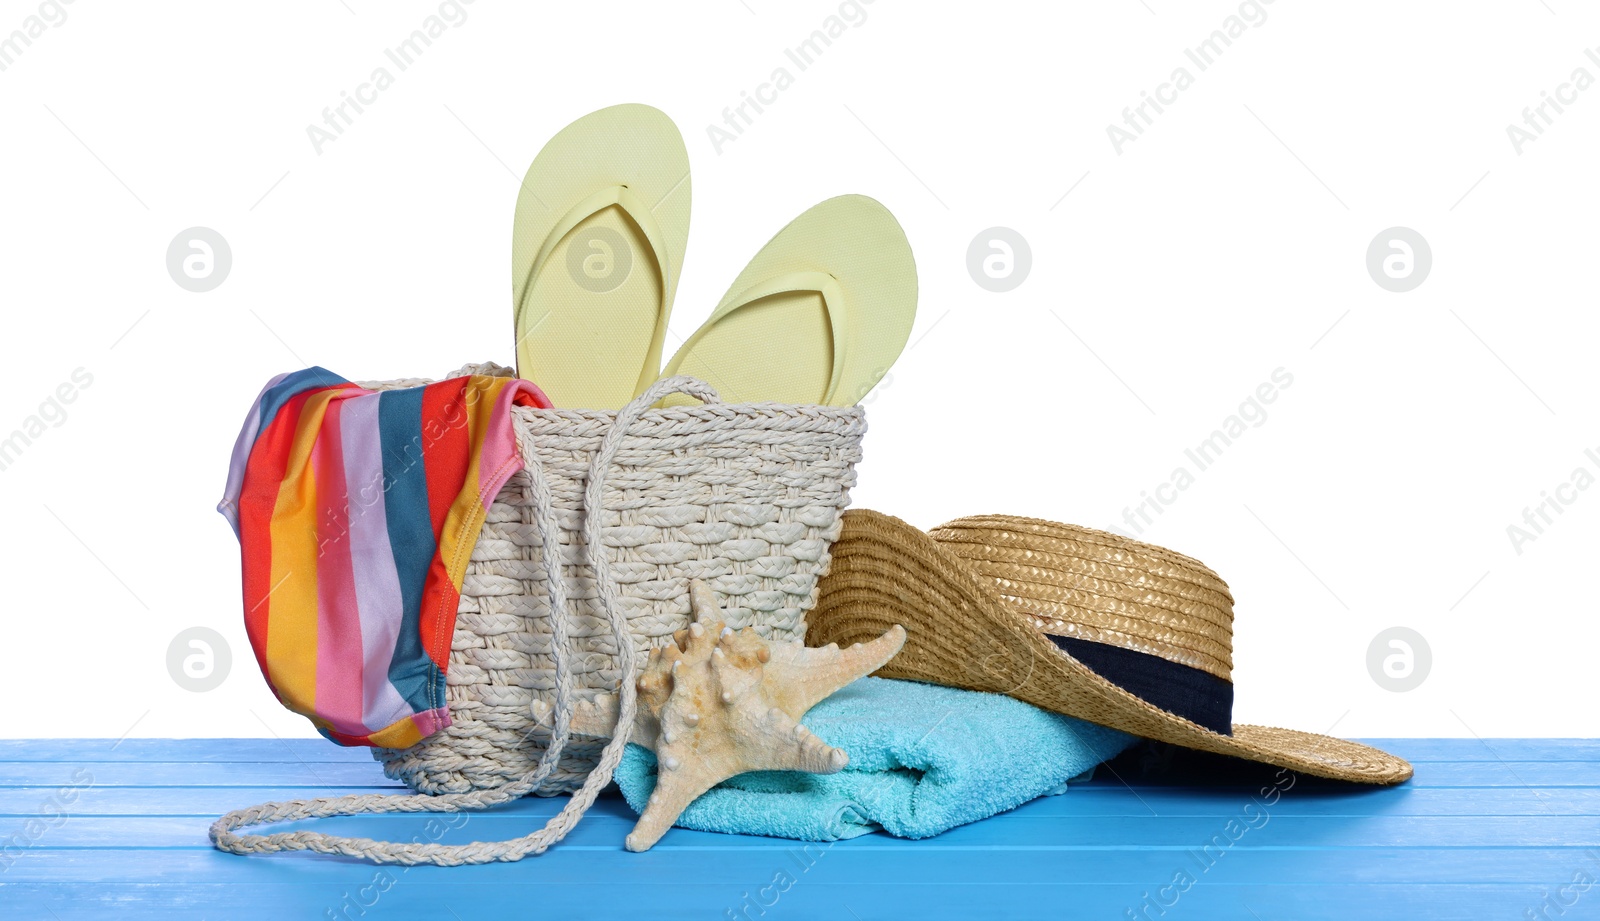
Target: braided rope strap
(223, 830)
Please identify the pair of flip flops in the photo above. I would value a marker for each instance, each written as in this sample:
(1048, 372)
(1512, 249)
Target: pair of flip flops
(602, 223)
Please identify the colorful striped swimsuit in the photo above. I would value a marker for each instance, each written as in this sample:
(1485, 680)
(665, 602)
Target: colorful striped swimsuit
(356, 513)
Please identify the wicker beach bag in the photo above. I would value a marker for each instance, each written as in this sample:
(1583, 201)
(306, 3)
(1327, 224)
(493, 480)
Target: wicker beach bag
(587, 551)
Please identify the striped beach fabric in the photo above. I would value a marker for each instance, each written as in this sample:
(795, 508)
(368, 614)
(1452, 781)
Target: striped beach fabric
(356, 512)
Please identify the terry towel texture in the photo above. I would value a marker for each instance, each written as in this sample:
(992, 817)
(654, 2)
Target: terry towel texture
(923, 759)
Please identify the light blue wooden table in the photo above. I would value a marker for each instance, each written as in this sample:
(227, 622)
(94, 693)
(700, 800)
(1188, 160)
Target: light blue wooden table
(1498, 829)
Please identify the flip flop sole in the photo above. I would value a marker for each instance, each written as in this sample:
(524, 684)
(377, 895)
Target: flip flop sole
(747, 365)
(818, 316)
(601, 227)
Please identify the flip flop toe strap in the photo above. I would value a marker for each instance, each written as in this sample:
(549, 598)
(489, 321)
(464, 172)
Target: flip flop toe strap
(637, 211)
(834, 305)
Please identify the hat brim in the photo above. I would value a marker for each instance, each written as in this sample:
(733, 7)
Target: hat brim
(886, 572)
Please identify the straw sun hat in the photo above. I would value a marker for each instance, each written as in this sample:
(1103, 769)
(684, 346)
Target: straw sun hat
(1077, 621)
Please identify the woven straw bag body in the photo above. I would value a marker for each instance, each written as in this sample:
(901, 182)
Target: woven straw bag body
(585, 551)
(747, 498)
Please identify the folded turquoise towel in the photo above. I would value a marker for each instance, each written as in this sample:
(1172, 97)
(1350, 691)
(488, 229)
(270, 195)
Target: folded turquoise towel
(923, 759)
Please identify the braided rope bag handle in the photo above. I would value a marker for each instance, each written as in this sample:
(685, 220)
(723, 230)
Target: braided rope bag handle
(223, 834)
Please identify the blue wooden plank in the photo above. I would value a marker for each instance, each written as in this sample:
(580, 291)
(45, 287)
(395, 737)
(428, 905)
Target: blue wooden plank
(1428, 774)
(312, 774)
(223, 750)
(1507, 774)
(854, 862)
(1486, 828)
(1490, 749)
(319, 749)
(610, 819)
(1081, 802)
(1394, 801)
(775, 897)
(196, 801)
(194, 774)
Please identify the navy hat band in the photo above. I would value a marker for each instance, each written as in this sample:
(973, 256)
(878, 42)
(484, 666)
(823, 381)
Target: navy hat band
(1197, 696)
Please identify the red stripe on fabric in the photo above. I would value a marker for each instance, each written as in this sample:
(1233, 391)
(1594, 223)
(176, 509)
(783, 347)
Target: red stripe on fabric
(529, 395)
(258, 498)
(446, 445)
(447, 456)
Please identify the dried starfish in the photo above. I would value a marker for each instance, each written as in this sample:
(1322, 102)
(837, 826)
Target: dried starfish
(719, 702)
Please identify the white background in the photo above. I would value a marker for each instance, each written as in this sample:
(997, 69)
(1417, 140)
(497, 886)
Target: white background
(1226, 242)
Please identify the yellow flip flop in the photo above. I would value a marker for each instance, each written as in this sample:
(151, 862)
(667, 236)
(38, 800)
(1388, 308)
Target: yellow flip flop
(597, 246)
(818, 316)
